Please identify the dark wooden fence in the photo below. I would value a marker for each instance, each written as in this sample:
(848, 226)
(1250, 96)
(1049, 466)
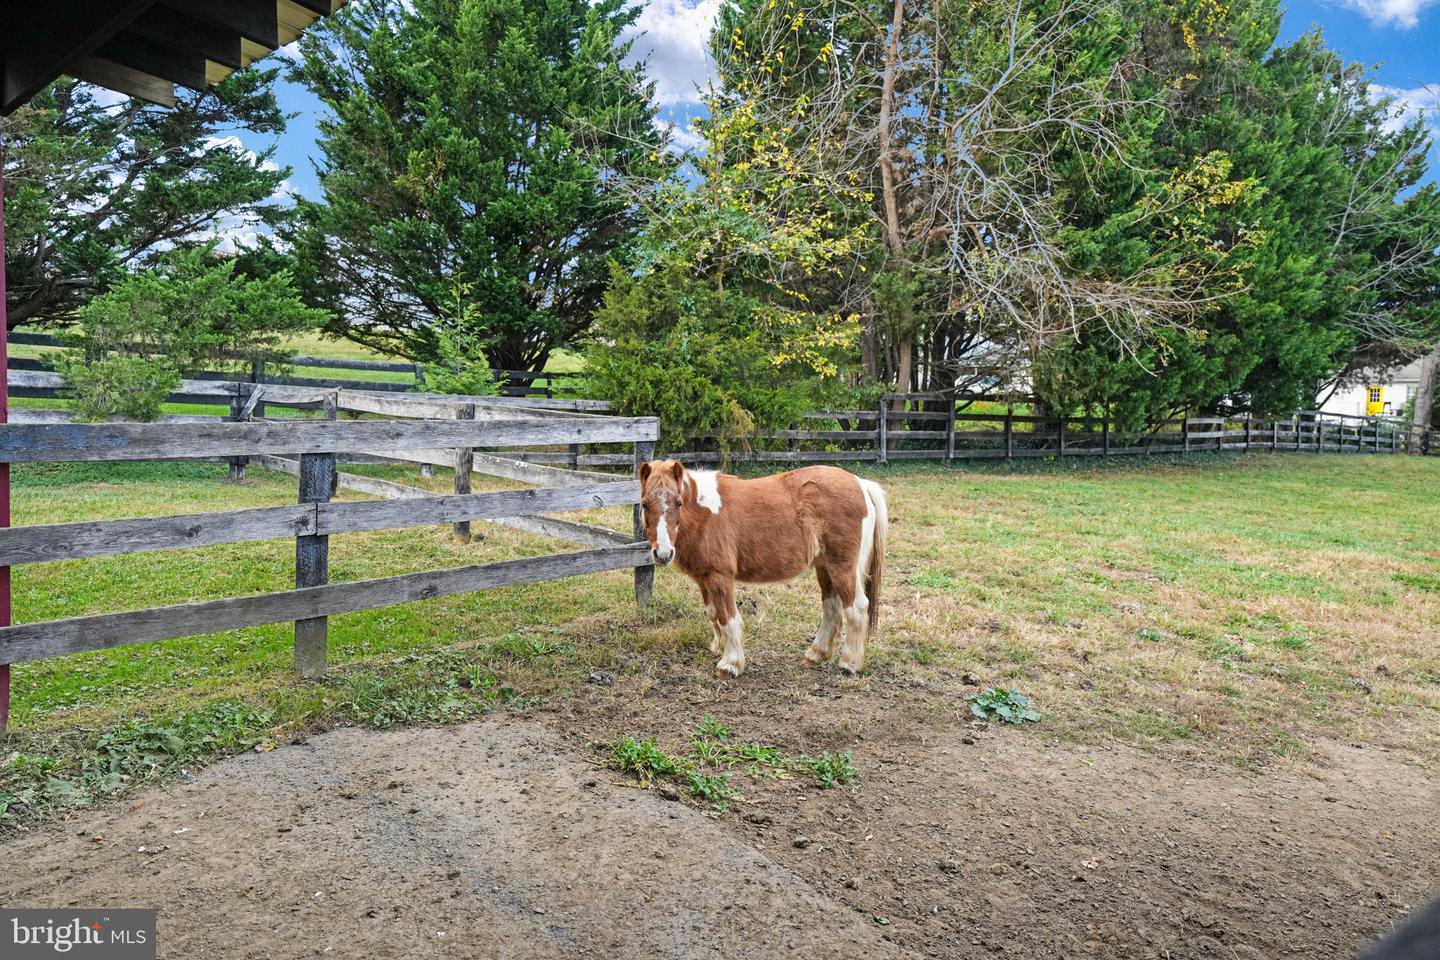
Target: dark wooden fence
(444, 430)
(513, 383)
(927, 427)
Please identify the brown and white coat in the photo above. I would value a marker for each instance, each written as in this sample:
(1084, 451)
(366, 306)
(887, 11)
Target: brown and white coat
(719, 529)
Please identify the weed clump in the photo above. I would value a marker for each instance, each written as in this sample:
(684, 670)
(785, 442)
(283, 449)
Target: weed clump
(1007, 706)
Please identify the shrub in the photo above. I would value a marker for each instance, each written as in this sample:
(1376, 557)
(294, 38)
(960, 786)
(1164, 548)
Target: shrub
(125, 385)
(462, 365)
(135, 342)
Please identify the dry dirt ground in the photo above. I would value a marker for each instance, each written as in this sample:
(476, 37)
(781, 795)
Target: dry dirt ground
(508, 838)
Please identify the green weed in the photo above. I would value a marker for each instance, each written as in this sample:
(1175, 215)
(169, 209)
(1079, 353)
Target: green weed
(709, 726)
(831, 769)
(1008, 706)
(644, 759)
(714, 789)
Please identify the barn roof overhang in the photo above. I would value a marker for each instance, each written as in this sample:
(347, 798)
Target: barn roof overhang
(144, 48)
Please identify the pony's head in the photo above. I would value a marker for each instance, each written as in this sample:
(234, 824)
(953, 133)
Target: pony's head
(661, 482)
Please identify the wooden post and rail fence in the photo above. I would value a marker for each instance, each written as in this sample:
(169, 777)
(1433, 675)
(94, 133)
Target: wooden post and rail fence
(444, 431)
(513, 383)
(935, 428)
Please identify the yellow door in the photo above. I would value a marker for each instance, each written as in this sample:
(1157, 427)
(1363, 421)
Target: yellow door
(1374, 400)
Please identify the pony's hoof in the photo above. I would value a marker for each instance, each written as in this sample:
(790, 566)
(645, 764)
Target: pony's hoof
(724, 671)
(813, 660)
(850, 670)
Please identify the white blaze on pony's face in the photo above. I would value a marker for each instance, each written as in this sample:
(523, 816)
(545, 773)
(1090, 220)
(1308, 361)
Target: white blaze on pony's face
(661, 484)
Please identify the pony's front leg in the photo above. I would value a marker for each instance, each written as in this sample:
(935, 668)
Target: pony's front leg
(726, 621)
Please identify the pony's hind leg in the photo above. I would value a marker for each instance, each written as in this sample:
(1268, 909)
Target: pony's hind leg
(823, 646)
(857, 629)
(725, 618)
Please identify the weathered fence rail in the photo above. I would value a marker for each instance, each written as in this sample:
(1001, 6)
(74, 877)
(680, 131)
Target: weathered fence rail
(444, 429)
(929, 427)
(514, 383)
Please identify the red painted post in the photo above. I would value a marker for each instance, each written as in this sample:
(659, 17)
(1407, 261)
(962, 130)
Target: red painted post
(4, 467)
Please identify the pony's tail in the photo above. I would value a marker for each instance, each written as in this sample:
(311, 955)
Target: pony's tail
(876, 495)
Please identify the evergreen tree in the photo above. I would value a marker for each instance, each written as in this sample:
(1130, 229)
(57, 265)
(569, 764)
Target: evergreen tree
(1331, 247)
(95, 191)
(476, 153)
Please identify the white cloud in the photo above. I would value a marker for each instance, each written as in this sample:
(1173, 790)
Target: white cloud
(105, 98)
(683, 136)
(1410, 105)
(1404, 14)
(233, 142)
(674, 35)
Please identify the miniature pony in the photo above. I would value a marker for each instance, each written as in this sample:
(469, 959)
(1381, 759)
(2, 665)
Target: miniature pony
(720, 529)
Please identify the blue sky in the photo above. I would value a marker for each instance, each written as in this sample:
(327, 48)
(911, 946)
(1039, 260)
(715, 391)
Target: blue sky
(1401, 38)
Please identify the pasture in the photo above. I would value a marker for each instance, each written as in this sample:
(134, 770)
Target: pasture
(1236, 662)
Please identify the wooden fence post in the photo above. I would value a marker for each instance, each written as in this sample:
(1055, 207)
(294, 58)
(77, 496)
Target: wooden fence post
(1009, 433)
(312, 564)
(1319, 434)
(1185, 434)
(237, 464)
(644, 576)
(1105, 437)
(257, 376)
(464, 463)
(1247, 434)
(1060, 437)
(882, 428)
(950, 429)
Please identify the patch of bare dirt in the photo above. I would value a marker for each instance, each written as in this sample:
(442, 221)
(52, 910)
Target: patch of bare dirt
(505, 838)
(487, 840)
(961, 839)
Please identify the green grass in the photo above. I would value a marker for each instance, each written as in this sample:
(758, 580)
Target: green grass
(1238, 604)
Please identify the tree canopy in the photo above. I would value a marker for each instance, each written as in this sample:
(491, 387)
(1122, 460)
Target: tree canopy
(94, 191)
(472, 153)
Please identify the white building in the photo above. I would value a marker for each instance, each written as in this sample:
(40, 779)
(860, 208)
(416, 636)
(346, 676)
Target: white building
(1383, 393)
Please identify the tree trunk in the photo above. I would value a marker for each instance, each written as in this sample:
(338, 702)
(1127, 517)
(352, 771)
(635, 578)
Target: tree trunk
(870, 345)
(904, 347)
(887, 112)
(1420, 419)
(904, 367)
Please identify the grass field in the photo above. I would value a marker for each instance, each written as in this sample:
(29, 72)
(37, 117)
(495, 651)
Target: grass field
(1244, 606)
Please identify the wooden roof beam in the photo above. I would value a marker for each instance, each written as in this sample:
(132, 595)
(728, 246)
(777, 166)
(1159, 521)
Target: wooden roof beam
(186, 35)
(129, 50)
(126, 80)
(52, 38)
(253, 20)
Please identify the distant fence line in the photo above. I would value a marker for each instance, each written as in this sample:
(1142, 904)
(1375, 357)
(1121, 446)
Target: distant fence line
(513, 383)
(922, 432)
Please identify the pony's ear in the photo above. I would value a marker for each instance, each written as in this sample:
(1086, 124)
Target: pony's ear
(644, 471)
(678, 469)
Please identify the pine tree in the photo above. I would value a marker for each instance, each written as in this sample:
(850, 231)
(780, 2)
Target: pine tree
(474, 156)
(95, 191)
